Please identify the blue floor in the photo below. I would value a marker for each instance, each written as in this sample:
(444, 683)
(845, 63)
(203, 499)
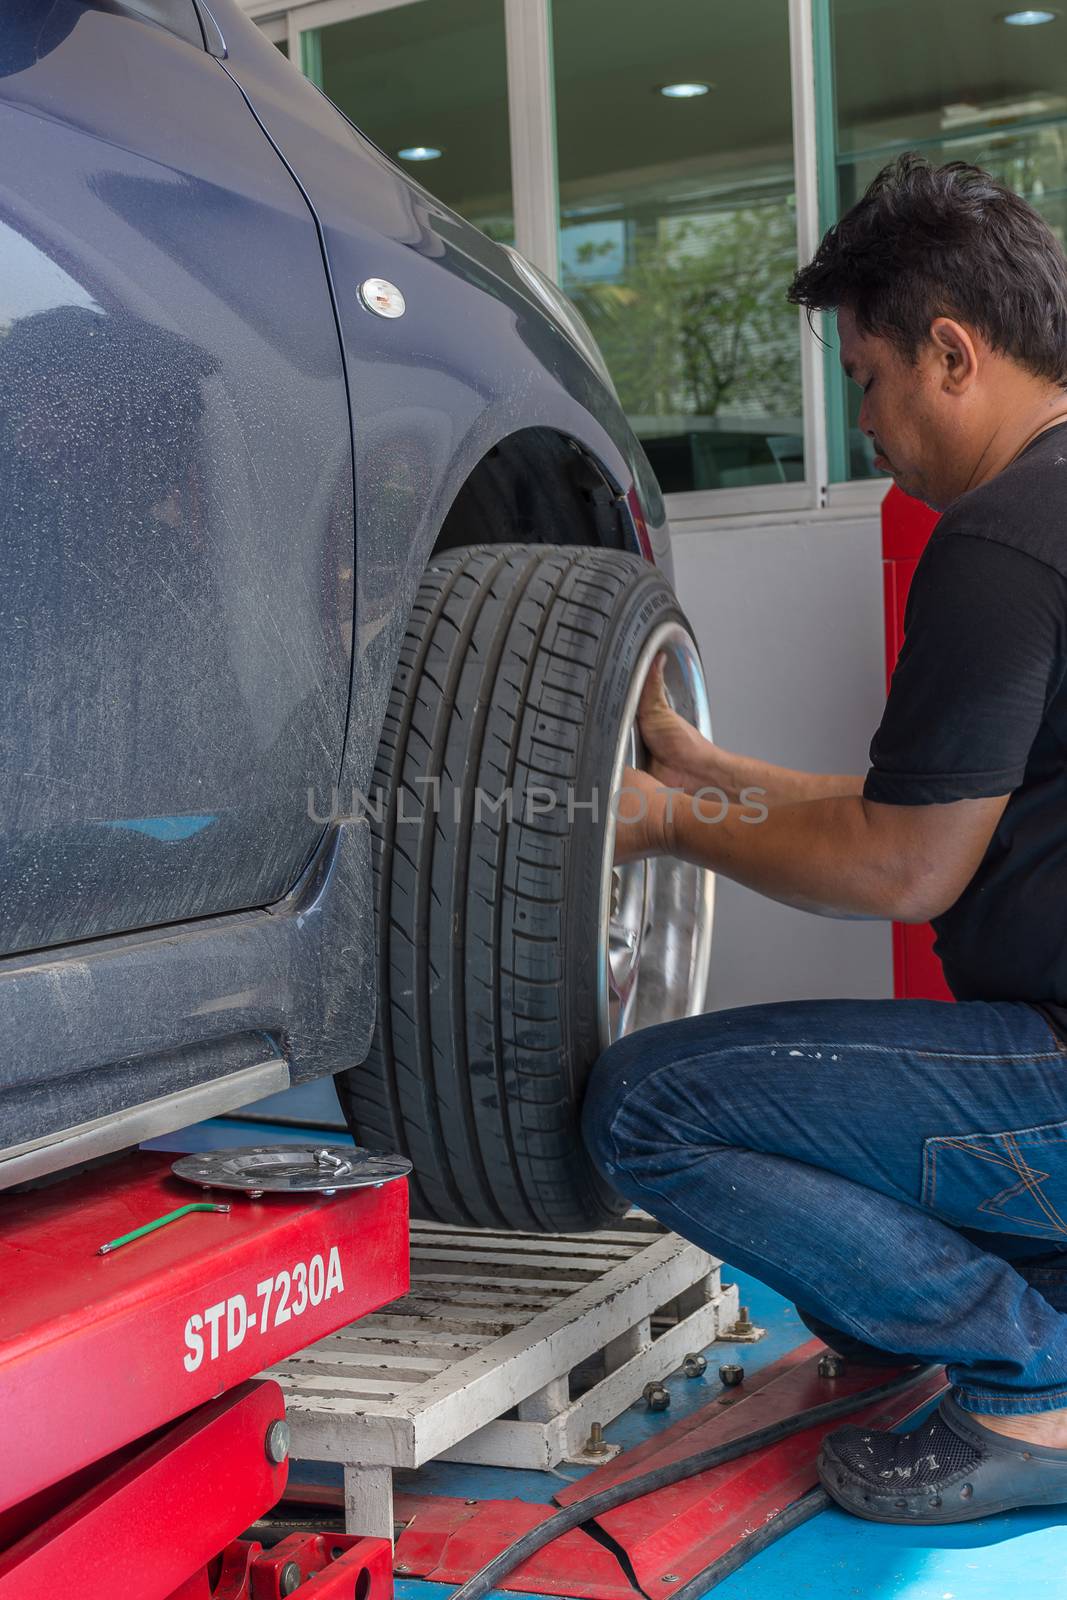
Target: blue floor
(1016, 1556)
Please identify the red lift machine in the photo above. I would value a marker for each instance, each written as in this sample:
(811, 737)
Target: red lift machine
(140, 1446)
(138, 1443)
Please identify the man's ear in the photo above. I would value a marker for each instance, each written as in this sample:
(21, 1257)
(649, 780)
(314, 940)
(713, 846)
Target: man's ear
(956, 354)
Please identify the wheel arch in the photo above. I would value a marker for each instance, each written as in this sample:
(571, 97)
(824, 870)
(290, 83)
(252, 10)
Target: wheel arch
(536, 484)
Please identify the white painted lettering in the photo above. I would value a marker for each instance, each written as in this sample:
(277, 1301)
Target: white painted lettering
(212, 1317)
(236, 1321)
(335, 1283)
(194, 1342)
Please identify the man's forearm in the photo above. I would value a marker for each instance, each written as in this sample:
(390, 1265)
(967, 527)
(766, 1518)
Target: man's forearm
(821, 855)
(844, 856)
(785, 786)
(779, 785)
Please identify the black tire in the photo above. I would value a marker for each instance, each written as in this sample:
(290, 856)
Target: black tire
(514, 671)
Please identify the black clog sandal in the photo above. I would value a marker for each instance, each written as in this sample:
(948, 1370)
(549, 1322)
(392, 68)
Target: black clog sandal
(952, 1469)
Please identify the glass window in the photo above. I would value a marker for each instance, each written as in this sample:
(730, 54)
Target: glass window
(957, 83)
(678, 227)
(427, 82)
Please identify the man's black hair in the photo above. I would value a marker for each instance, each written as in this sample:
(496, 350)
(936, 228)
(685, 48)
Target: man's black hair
(948, 241)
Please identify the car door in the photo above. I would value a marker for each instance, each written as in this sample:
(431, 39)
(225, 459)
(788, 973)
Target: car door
(176, 498)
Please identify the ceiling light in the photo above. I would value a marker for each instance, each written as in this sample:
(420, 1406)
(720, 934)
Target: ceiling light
(420, 152)
(1028, 18)
(684, 91)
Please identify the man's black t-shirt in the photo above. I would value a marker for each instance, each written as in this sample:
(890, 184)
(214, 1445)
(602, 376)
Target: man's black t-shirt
(978, 706)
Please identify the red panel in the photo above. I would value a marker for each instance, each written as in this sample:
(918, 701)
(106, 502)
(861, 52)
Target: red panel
(332, 1567)
(920, 973)
(198, 1588)
(906, 526)
(234, 1577)
(893, 610)
(900, 573)
(96, 1351)
(447, 1540)
(672, 1535)
(163, 1515)
(633, 500)
(23, 1518)
(147, 1527)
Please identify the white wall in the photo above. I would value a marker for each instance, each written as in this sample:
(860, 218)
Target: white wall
(789, 622)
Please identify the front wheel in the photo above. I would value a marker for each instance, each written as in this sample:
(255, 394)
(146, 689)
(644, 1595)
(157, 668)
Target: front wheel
(510, 949)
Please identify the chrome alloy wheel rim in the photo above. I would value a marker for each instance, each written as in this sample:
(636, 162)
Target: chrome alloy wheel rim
(655, 916)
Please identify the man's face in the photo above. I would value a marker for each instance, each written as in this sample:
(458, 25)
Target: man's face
(904, 412)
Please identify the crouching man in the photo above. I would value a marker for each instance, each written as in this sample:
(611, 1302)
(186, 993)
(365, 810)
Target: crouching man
(899, 1168)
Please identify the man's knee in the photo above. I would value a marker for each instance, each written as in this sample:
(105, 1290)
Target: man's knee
(610, 1082)
(650, 1086)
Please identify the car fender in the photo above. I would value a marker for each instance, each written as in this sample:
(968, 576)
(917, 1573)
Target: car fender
(474, 359)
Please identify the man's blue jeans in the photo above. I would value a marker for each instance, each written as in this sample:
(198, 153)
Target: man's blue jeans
(896, 1167)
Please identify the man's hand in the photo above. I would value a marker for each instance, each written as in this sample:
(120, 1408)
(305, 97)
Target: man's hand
(642, 825)
(682, 758)
(680, 755)
(819, 846)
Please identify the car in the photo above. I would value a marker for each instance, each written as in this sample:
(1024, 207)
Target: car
(332, 571)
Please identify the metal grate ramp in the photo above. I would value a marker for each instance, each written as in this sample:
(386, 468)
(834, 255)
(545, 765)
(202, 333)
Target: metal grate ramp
(505, 1351)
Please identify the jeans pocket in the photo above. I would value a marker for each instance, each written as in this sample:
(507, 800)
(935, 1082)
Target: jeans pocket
(1013, 1182)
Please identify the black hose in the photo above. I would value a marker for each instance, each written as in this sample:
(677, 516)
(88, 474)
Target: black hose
(620, 1494)
(809, 1505)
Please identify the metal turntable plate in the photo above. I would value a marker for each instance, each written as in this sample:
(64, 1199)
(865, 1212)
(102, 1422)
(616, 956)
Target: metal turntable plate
(291, 1169)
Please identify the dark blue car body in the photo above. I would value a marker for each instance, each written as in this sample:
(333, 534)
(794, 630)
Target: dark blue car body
(221, 478)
